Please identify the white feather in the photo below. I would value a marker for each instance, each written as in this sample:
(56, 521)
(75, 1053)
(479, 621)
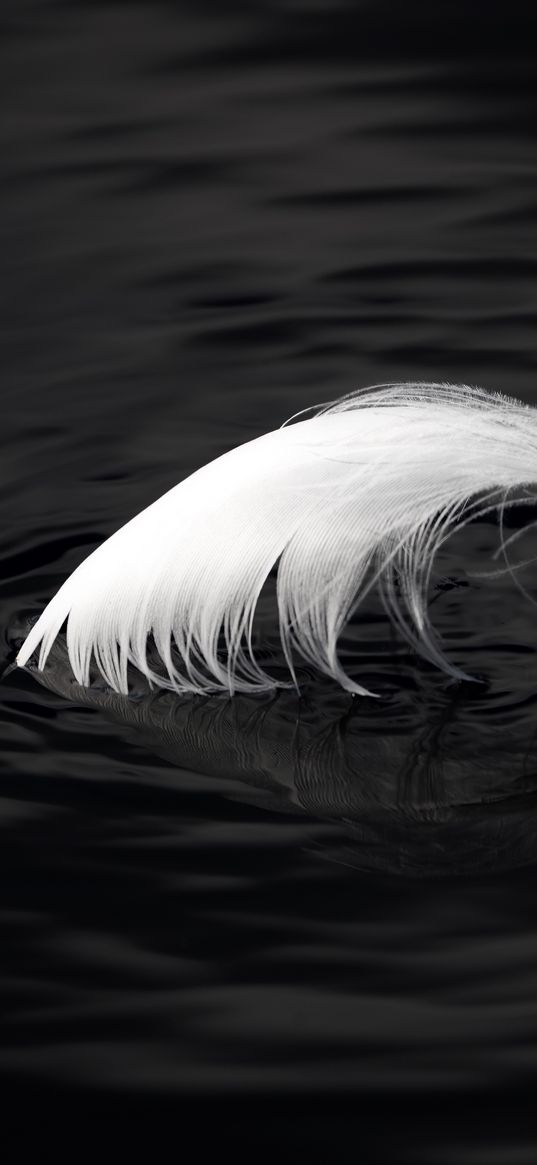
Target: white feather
(362, 493)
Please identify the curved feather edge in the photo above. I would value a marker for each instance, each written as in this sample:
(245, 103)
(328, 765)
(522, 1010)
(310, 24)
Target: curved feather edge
(362, 494)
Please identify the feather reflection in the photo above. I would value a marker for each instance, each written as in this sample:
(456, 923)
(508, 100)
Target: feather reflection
(430, 781)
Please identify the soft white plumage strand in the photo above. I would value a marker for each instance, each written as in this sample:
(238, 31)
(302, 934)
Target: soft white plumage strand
(362, 493)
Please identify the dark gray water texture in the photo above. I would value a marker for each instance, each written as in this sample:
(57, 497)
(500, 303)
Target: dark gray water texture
(278, 935)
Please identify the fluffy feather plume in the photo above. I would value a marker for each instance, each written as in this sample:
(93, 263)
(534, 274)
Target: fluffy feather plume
(361, 494)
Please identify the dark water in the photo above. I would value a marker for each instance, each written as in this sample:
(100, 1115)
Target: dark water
(283, 940)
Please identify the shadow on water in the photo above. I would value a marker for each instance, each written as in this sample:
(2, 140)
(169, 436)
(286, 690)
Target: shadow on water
(408, 804)
(428, 777)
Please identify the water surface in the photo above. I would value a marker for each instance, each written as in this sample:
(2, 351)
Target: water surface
(211, 220)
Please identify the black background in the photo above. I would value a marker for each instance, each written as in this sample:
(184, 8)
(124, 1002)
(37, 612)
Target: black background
(211, 217)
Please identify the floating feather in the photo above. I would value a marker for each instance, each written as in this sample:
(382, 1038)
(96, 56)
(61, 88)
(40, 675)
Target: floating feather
(361, 494)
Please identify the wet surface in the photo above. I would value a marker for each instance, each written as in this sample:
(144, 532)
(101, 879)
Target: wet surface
(210, 221)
